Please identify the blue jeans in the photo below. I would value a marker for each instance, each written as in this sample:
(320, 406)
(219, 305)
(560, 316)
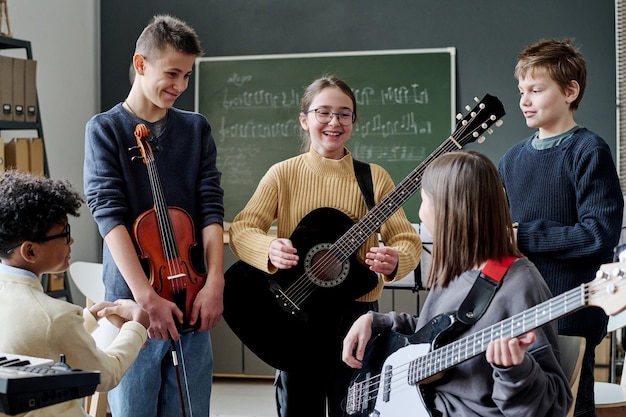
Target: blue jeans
(150, 389)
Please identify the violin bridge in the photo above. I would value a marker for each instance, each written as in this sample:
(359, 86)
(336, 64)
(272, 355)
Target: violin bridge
(171, 277)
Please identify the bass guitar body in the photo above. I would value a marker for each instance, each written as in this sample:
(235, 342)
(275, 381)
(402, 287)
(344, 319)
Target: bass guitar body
(282, 317)
(381, 393)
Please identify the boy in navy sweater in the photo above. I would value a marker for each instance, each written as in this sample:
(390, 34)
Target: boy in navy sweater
(563, 190)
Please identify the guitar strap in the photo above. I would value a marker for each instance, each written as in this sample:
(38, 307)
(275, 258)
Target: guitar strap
(483, 290)
(363, 174)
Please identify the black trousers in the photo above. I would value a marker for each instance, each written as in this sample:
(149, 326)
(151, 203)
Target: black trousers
(322, 382)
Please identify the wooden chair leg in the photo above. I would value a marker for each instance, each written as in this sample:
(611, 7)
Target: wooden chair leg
(97, 404)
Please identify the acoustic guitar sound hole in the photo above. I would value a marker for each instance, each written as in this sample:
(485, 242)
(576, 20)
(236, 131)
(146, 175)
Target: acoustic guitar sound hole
(323, 268)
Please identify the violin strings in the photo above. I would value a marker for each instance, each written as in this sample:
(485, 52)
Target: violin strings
(168, 241)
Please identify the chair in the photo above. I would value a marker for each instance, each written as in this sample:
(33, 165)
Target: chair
(88, 279)
(610, 398)
(572, 350)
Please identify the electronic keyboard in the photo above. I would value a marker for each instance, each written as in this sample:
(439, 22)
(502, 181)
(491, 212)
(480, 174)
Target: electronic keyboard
(28, 383)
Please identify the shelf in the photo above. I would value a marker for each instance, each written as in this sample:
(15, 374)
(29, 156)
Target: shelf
(5, 125)
(11, 43)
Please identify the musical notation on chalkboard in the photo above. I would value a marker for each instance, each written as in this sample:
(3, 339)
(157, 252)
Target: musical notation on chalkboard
(405, 109)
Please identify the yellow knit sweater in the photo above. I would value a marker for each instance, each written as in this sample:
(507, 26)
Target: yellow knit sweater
(292, 188)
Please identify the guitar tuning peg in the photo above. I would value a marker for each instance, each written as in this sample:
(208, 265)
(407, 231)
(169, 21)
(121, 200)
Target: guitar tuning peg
(476, 99)
(459, 116)
(617, 272)
(490, 131)
(136, 157)
(468, 108)
(499, 123)
(481, 139)
(602, 274)
(133, 148)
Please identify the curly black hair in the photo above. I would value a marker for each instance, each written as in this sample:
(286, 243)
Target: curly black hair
(31, 205)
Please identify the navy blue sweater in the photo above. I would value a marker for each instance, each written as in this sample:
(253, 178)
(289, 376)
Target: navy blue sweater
(118, 189)
(569, 205)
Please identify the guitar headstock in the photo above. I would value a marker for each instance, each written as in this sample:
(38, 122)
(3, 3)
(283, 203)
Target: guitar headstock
(608, 289)
(478, 120)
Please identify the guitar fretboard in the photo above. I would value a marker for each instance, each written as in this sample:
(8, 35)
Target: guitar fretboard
(456, 352)
(468, 131)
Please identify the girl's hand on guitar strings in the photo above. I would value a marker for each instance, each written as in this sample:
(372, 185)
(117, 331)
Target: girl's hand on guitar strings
(383, 260)
(355, 341)
(509, 351)
(282, 254)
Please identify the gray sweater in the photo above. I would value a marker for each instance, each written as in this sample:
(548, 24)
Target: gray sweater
(537, 387)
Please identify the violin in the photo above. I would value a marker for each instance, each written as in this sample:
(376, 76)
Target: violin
(164, 237)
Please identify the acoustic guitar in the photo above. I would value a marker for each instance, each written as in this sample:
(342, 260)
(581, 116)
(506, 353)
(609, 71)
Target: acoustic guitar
(282, 317)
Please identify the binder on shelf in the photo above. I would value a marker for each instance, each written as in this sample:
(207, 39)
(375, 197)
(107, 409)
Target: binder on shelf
(16, 155)
(1, 156)
(6, 88)
(18, 89)
(35, 156)
(30, 90)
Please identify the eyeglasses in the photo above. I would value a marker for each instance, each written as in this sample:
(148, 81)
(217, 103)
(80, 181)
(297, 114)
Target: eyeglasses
(324, 116)
(66, 234)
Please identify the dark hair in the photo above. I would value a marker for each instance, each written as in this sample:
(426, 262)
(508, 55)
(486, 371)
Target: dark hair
(562, 61)
(472, 218)
(31, 205)
(313, 90)
(164, 31)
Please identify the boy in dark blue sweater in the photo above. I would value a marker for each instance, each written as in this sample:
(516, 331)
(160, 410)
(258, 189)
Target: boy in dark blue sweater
(119, 191)
(563, 190)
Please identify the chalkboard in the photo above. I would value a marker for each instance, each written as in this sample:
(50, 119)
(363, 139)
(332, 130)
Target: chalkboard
(405, 108)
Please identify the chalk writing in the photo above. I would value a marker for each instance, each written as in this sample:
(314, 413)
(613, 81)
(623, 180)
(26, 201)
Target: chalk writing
(260, 99)
(388, 153)
(239, 80)
(404, 95)
(251, 129)
(406, 125)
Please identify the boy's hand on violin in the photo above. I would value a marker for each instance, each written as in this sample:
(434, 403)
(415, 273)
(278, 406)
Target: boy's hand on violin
(162, 315)
(207, 307)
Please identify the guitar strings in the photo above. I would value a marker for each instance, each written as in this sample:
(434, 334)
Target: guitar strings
(442, 358)
(306, 286)
(303, 286)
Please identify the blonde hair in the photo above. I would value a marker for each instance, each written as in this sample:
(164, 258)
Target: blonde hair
(560, 59)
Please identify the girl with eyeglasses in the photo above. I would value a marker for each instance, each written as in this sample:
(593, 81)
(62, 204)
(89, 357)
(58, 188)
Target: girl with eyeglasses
(322, 176)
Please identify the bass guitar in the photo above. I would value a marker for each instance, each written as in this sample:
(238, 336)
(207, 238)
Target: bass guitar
(395, 365)
(281, 317)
